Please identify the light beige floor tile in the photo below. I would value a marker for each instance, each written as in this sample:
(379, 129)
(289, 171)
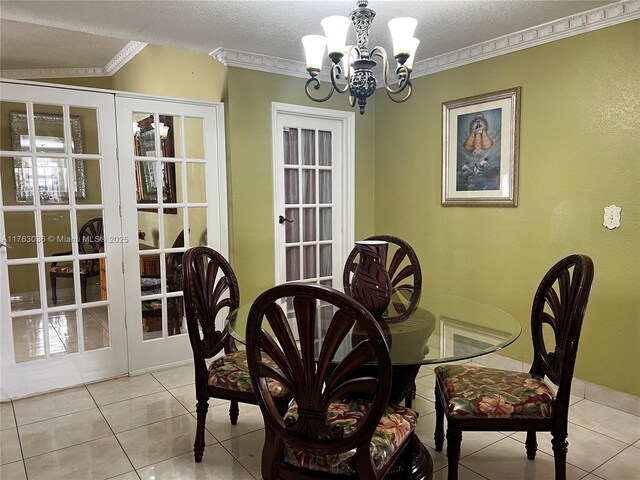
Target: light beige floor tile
(60, 432)
(507, 459)
(248, 450)
(249, 420)
(186, 395)
(599, 418)
(140, 411)
(423, 405)
(7, 418)
(160, 441)
(9, 446)
(51, 405)
(637, 444)
(591, 476)
(175, 377)
(624, 466)
(96, 460)
(426, 370)
(439, 459)
(13, 471)
(471, 441)
(124, 388)
(425, 386)
(587, 449)
(463, 474)
(216, 463)
(127, 476)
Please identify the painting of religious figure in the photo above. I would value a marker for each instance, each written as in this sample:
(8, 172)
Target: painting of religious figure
(480, 150)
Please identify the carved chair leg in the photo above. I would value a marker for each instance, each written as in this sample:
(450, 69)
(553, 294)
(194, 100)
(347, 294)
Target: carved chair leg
(408, 401)
(454, 439)
(438, 436)
(234, 411)
(198, 447)
(83, 288)
(54, 293)
(531, 445)
(560, 447)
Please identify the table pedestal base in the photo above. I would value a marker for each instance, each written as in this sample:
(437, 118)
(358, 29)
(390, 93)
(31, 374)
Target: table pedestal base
(416, 459)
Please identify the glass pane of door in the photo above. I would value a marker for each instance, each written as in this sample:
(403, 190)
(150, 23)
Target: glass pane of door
(56, 223)
(308, 187)
(173, 192)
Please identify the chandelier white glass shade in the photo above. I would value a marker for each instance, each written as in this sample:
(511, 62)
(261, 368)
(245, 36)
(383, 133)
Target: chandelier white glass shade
(355, 63)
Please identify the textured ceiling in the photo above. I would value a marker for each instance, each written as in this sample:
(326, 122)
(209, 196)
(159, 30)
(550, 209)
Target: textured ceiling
(270, 27)
(28, 46)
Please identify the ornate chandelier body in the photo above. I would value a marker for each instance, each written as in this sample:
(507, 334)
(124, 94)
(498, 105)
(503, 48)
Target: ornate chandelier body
(358, 61)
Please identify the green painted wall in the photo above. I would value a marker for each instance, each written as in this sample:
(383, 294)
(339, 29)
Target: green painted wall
(172, 72)
(580, 151)
(249, 150)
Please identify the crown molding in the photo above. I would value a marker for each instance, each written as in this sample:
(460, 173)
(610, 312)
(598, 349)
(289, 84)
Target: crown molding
(129, 51)
(608, 15)
(263, 63)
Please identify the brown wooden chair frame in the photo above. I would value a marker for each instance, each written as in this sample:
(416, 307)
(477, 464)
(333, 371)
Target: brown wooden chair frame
(312, 380)
(205, 295)
(566, 310)
(90, 240)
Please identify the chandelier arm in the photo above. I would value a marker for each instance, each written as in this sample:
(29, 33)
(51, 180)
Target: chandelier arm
(336, 71)
(407, 86)
(402, 73)
(316, 86)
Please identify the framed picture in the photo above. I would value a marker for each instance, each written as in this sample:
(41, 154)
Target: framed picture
(480, 142)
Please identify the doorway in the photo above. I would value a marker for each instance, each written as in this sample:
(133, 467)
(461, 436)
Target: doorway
(314, 157)
(93, 235)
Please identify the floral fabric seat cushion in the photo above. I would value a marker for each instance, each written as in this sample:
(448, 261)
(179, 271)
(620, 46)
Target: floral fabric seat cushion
(492, 393)
(393, 431)
(232, 372)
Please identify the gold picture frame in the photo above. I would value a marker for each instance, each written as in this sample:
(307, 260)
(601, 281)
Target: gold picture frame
(480, 150)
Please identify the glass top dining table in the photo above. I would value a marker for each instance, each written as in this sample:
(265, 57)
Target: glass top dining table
(443, 328)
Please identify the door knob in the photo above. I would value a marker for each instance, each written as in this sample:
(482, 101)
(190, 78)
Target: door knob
(281, 220)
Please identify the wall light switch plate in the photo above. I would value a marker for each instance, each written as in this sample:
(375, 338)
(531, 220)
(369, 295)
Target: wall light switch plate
(612, 217)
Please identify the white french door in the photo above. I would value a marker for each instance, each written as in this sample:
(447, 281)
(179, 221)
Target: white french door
(173, 197)
(314, 192)
(62, 313)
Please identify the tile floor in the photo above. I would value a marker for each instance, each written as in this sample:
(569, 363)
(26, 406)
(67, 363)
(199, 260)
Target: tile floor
(143, 428)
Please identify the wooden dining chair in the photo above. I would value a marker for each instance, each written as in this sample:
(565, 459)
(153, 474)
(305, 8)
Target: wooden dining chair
(487, 399)
(90, 240)
(405, 273)
(339, 424)
(404, 270)
(211, 288)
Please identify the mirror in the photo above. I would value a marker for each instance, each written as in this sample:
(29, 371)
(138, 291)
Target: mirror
(149, 173)
(52, 172)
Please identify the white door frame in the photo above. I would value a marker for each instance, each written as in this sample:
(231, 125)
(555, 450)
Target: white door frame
(38, 375)
(151, 355)
(348, 130)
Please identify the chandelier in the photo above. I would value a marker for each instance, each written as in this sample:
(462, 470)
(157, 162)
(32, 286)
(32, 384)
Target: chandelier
(357, 61)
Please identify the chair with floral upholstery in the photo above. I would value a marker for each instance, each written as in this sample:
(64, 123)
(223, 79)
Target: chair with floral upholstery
(90, 240)
(339, 424)
(487, 399)
(211, 289)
